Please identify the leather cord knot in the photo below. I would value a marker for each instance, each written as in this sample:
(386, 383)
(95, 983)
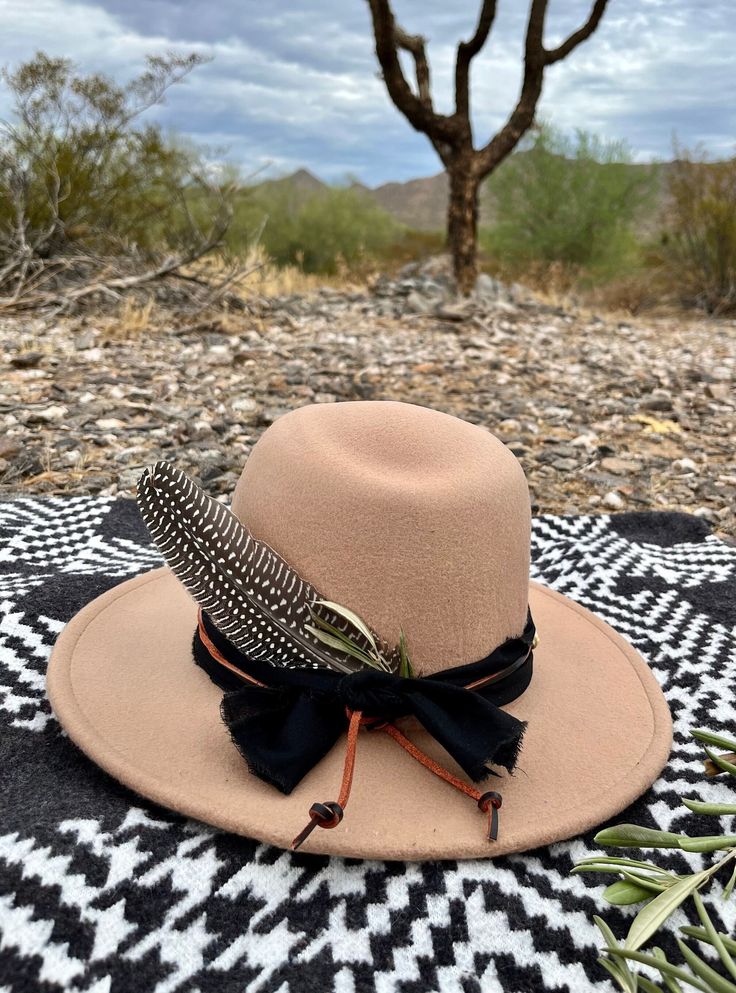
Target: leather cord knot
(489, 803)
(324, 815)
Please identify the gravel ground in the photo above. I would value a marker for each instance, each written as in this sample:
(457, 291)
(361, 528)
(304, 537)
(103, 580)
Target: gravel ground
(604, 414)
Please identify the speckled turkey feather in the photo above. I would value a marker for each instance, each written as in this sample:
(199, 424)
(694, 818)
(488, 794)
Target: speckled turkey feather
(252, 595)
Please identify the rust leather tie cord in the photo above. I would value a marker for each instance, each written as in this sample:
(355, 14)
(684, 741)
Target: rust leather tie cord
(329, 814)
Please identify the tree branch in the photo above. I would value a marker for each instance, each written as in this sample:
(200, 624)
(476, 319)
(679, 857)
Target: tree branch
(582, 34)
(415, 44)
(522, 116)
(418, 113)
(466, 52)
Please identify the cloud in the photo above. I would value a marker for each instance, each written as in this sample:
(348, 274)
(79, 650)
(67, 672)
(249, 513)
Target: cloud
(297, 86)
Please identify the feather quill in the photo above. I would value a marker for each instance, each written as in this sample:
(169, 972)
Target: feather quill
(253, 596)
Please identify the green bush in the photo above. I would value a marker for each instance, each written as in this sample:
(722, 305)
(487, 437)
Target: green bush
(81, 176)
(569, 200)
(319, 231)
(698, 246)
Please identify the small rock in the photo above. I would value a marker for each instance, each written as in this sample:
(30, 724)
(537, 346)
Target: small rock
(565, 465)
(219, 355)
(584, 441)
(85, 340)
(110, 424)
(459, 311)
(26, 360)
(418, 303)
(210, 471)
(613, 500)
(555, 413)
(718, 391)
(269, 414)
(488, 287)
(707, 513)
(620, 467)
(128, 479)
(91, 355)
(244, 405)
(9, 447)
(56, 412)
(200, 429)
(70, 459)
(660, 400)
(685, 465)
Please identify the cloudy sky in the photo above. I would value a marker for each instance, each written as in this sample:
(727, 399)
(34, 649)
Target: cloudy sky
(293, 85)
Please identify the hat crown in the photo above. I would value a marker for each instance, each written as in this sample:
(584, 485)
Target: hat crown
(414, 519)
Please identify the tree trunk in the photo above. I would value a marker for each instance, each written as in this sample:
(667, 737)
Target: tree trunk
(462, 225)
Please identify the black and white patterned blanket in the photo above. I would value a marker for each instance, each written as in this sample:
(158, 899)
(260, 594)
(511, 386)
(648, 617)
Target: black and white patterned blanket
(102, 892)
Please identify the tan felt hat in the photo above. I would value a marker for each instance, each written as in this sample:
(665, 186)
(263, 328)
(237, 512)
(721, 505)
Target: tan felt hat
(368, 613)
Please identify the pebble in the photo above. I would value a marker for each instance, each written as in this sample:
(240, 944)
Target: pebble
(706, 512)
(84, 340)
(585, 440)
(613, 501)
(718, 391)
(660, 399)
(56, 412)
(9, 447)
(26, 360)
(110, 424)
(620, 467)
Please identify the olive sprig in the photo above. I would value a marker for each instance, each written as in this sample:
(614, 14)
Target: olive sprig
(661, 892)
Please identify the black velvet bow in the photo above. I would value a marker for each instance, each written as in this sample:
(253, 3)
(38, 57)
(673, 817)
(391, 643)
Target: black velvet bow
(284, 728)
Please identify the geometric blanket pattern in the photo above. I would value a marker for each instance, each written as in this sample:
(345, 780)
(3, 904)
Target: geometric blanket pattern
(102, 891)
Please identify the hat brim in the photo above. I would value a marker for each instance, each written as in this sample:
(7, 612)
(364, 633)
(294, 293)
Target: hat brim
(123, 684)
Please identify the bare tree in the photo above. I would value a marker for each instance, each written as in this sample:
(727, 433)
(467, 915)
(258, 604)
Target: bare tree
(451, 134)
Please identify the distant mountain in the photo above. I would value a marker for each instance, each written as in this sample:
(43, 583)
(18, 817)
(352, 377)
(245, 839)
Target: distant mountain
(421, 204)
(296, 187)
(303, 180)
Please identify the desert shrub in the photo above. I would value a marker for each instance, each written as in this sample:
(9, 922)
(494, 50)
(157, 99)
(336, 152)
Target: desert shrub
(267, 214)
(411, 245)
(569, 200)
(84, 182)
(697, 249)
(342, 224)
(320, 232)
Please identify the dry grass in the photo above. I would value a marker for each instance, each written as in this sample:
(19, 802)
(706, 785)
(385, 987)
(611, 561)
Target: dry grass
(640, 291)
(132, 320)
(270, 280)
(139, 316)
